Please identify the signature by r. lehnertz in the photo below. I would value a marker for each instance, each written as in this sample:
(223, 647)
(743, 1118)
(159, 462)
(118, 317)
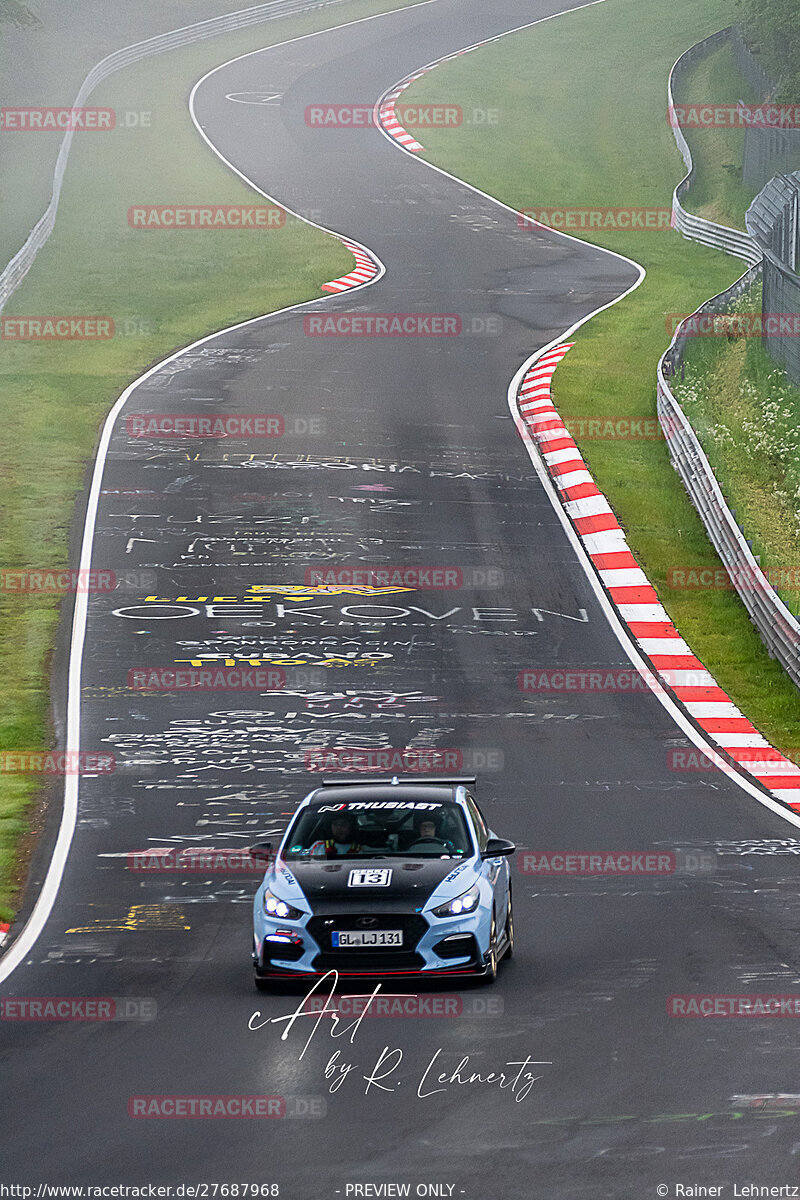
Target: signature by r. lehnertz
(516, 1077)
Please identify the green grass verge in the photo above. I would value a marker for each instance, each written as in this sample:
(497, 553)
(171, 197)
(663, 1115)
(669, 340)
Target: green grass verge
(22, 174)
(717, 192)
(743, 410)
(168, 290)
(747, 418)
(44, 57)
(582, 123)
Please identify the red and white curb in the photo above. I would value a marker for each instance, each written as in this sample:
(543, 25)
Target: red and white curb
(636, 600)
(702, 710)
(388, 117)
(3, 932)
(366, 269)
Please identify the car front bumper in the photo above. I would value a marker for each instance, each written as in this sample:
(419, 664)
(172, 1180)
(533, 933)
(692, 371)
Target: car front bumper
(432, 945)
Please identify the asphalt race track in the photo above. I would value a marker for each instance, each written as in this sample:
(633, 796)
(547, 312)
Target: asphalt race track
(412, 459)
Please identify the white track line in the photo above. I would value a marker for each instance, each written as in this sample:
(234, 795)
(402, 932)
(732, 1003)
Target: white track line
(623, 635)
(673, 662)
(26, 939)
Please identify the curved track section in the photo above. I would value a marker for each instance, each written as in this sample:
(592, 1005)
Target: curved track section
(366, 270)
(636, 600)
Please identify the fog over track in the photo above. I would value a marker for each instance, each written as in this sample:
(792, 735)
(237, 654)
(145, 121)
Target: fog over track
(398, 450)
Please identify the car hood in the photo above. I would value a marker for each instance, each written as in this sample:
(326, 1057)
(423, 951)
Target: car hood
(347, 885)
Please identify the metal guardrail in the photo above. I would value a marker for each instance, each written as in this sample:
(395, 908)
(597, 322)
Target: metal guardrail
(698, 229)
(779, 629)
(16, 270)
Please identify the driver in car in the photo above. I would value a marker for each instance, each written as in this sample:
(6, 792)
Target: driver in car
(427, 833)
(341, 840)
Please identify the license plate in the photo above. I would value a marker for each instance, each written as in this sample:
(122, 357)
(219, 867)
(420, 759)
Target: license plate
(372, 937)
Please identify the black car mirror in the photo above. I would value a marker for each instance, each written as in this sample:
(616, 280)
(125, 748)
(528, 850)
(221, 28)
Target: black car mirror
(496, 847)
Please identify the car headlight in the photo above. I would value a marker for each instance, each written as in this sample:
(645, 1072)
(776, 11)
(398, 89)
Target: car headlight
(275, 907)
(467, 902)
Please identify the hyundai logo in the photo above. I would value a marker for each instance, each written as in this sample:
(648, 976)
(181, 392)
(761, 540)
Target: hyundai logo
(366, 922)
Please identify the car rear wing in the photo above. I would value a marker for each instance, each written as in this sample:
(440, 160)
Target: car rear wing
(371, 780)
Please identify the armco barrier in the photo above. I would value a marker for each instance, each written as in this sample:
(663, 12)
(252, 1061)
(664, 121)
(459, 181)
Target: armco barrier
(721, 237)
(778, 628)
(20, 264)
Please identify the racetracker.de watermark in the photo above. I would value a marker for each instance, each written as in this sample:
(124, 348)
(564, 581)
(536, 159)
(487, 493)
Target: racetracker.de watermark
(206, 679)
(734, 325)
(206, 216)
(720, 1005)
(598, 862)
(78, 1008)
(362, 324)
(362, 116)
(420, 578)
(435, 1005)
(616, 862)
(197, 860)
(760, 760)
(711, 115)
(627, 219)
(742, 579)
(56, 582)
(614, 429)
(623, 680)
(199, 425)
(72, 328)
(396, 759)
(225, 1107)
(57, 328)
(56, 762)
(57, 120)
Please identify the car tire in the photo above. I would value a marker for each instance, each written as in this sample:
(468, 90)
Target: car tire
(509, 931)
(489, 974)
(262, 985)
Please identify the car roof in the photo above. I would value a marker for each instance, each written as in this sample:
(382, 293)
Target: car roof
(427, 793)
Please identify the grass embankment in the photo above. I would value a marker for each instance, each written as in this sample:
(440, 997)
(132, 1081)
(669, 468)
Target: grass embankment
(747, 418)
(717, 192)
(582, 123)
(164, 291)
(746, 415)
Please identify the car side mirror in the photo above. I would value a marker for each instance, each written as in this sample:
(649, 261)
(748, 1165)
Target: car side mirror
(496, 847)
(262, 852)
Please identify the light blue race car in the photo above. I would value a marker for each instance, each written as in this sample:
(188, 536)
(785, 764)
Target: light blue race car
(384, 878)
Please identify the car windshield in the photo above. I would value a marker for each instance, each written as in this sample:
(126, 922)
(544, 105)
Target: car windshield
(379, 829)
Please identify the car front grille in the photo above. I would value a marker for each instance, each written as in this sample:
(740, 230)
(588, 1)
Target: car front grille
(381, 958)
